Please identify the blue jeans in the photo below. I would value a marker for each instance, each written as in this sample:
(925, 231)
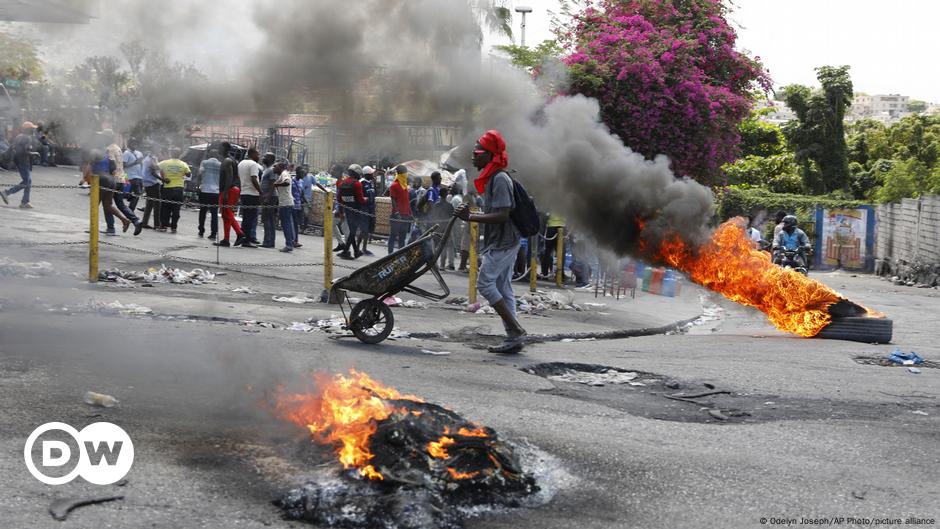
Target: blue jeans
(298, 223)
(287, 224)
(398, 227)
(25, 185)
(269, 220)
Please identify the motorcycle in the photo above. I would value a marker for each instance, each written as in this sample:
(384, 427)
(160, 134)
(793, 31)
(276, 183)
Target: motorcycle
(794, 259)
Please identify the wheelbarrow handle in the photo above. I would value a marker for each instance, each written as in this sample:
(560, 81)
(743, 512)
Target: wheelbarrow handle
(439, 249)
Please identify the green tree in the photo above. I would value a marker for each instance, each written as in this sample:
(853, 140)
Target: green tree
(907, 179)
(19, 59)
(817, 136)
(532, 59)
(916, 106)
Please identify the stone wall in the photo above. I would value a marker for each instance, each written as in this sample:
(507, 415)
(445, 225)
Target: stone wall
(908, 241)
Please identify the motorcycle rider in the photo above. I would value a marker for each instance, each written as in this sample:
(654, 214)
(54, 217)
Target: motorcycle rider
(790, 238)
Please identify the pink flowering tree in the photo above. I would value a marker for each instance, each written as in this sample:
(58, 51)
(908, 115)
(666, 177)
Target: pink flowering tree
(667, 76)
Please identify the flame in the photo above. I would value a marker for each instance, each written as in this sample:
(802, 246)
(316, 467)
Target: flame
(438, 449)
(729, 265)
(476, 432)
(343, 412)
(454, 473)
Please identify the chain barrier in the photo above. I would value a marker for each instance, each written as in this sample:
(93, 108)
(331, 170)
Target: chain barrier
(223, 264)
(28, 244)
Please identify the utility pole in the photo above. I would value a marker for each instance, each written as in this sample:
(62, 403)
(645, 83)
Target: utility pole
(524, 10)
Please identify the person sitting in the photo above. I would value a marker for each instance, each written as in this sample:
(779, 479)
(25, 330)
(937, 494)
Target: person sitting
(790, 238)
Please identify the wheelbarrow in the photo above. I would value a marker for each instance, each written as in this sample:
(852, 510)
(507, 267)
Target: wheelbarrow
(371, 320)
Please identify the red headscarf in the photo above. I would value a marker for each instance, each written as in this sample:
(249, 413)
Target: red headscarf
(493, 142)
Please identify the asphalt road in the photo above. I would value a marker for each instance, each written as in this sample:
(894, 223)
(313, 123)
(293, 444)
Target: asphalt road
(808, 431)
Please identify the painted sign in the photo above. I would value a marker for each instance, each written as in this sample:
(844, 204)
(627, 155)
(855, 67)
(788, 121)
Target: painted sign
(845, 238)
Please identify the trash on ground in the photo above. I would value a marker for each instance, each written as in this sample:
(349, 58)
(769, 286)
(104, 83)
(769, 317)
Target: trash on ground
(166, 274)
(9, 267)
(435, 353)
(334, 324)
(297, 300)
(60, 509)
(610, 376)
(100, 399)
(914, 370)
(300, 327)
(479, 308)
(907, 359)
(919, 412)
(116, 307)
(262, 324)
(412, 304)
(392, 301)
(542, 300)
(398, 334)
(244, 290)
(570, 340)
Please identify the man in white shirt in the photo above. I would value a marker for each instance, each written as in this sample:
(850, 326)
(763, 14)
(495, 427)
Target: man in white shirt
(134, 167)
(249, 171)
(285, 203)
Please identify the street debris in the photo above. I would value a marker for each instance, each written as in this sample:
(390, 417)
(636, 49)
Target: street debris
(11, 268)
(262, 324)
(300, 327)
(334, 324)
(244, 290)
(914, 370)
(165, 274)
(100, 400)
(610, 376)
(435, 353)
(116, 307)
(919, 412)
(61, 508)
(296, 300)
(907, 359)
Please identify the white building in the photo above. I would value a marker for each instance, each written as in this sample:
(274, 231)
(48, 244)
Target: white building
(778, 113)
(882, 107)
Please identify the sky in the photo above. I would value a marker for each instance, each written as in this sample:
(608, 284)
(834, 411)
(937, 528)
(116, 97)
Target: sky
(891, 45)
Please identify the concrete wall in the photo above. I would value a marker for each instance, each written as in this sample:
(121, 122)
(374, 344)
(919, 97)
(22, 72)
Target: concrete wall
(908, 240)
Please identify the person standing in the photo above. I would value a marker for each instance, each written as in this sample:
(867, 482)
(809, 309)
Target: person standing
(351, 200)
(23, 146)
(121, 188)
(249, 171)
(285, 202)
(209, 171)
(229, 192)
(269, 209)
(153, 188)
(501, 238)
(174, 172)
(368, 221)
(339, 221)
(401, 217)
(309, 180)
(297, 193)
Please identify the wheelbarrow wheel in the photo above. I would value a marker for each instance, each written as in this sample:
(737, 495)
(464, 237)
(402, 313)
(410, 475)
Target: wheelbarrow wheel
(371, 321)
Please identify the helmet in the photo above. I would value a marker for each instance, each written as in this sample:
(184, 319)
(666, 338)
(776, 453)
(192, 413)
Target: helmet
(789, 221)
(354, 170)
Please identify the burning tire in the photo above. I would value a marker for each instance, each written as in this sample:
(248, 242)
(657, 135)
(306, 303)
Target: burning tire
(859, 329)
(371, 321)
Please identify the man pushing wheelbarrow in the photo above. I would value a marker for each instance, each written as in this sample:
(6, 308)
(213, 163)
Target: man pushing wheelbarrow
(508, 215)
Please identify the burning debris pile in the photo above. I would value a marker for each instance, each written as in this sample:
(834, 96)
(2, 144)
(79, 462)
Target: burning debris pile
(727, 264)
(408, 463)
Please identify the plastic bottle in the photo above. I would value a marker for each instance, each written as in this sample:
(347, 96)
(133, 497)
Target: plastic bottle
(100, 399)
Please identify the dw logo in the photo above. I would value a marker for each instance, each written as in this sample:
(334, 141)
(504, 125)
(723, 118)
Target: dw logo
(105, 454)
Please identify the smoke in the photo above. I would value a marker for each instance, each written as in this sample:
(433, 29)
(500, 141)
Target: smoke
(384, 60)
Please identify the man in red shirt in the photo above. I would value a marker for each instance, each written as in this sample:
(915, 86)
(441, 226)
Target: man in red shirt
(400, 221)
(352, 203)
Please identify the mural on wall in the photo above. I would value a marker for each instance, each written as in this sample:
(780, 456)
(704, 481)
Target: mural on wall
(845, 238)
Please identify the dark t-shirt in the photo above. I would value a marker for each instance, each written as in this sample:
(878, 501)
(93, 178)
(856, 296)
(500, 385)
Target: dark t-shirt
(498, 195)
(22, 146)
(228, 174)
